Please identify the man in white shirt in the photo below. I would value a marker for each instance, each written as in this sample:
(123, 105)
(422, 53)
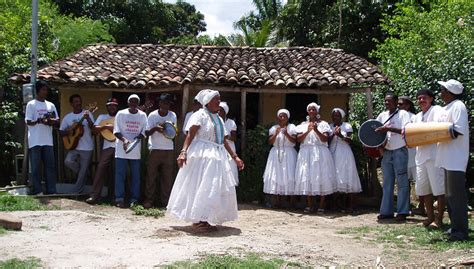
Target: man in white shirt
(395, 160)
(40, 117)
(107, 154)
(161, 157)
(452, 156)
(129, 128)
(430, 179)
(79, 158)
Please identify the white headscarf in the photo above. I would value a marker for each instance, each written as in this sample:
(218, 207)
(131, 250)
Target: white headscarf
(283, 111)
(208, 95)
(199, 97)
(224, 106)
(313, 104)
(343, 114)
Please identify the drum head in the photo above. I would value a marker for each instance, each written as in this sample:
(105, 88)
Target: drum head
(169, 131)
(369, 137)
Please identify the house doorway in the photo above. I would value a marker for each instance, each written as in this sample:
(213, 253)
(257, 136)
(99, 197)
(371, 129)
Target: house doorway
(296, 103)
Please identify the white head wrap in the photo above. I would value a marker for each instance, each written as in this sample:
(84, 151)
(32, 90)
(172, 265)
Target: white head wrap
(313, 104)
(343, 114)
(199, 97)
(224, 106)
(208, 95)
(283, 111)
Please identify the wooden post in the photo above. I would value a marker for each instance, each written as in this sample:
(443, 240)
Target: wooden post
(185, 102)
(243, 118)
(374, 185)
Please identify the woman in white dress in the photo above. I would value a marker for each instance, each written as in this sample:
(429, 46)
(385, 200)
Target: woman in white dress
(231, 136)
(315, 172)
(204, 190)
(279, 175)
(346, 171)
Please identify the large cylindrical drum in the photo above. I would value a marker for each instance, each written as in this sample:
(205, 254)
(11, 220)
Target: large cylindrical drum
(426, 133)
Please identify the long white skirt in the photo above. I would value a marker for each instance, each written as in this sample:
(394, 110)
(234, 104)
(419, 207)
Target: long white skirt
(315, 172)
(279, 175)
(204, 189)
(346, 171)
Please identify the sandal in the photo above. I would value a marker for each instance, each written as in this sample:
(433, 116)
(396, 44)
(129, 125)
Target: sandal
(308, 210)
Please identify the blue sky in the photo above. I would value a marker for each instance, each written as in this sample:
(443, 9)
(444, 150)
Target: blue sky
(220, 14)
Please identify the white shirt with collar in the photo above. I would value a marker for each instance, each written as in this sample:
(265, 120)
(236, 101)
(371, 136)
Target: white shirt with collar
(399, 120)
(453, 155)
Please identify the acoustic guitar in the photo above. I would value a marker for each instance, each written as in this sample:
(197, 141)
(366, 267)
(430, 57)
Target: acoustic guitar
(70, 141)
(109, 135)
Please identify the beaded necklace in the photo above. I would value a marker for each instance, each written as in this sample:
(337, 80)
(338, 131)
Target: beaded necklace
(218, 128)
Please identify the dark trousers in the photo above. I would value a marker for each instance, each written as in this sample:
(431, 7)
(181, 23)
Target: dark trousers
(107, 158)
(159, 162)
(456, 197)
(45, 155)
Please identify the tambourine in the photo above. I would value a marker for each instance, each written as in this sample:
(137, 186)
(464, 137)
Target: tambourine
(169, 130)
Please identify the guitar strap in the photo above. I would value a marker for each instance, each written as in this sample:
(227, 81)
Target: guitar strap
(391, 116)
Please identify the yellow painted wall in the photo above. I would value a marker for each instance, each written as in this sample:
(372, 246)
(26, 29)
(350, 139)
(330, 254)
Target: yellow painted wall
(88, 97)
(330, 101)
(269, 105)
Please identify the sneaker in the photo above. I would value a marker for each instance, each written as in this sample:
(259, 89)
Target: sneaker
(401, 217)
(91, 201)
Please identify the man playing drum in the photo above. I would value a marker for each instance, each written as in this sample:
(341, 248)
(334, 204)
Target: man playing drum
(161, 158)
(430, 179)
(452, 156)
(395, 160)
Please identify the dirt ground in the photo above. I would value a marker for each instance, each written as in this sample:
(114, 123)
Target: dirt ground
(80, 235)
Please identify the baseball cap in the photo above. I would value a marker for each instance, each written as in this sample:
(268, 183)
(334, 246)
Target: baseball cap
(165, 97)
(112, 101)
(133, 96)
(452, 86)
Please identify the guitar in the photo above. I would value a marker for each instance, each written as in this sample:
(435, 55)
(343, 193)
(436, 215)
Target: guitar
(46, 117)
(70, 141)
(109, 135)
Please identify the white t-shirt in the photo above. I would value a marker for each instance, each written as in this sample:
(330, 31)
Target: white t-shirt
(39, 134)
(411, 151)
(186, 120)
(426, 152)
(157, 140)
(453, 155)
(130, 126)
(229, 127)
(399, 120)
(85, 142)
(107, 143)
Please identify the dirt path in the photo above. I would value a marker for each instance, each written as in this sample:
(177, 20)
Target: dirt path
(103, 236)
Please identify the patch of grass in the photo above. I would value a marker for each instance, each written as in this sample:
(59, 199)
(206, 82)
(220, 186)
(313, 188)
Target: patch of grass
(30, 262)
(228, 261)
(409, 235)
(3, 231)
(20, 203)
(151, 212)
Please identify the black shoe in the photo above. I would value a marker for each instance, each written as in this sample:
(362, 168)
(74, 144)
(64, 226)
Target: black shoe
(384, 217)
(92, 201)
(401, 217)
(120, 205)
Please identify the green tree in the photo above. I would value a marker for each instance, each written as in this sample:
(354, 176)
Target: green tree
(59, 36)
(139, 21)
(426, 44)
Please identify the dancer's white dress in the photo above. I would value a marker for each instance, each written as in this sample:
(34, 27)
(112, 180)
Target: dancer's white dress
(346, 171)
(315, 172)
(230, 126)
(279, 175)
(204, 189)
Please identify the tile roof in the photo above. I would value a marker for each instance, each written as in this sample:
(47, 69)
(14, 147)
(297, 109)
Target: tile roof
(153, 66)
